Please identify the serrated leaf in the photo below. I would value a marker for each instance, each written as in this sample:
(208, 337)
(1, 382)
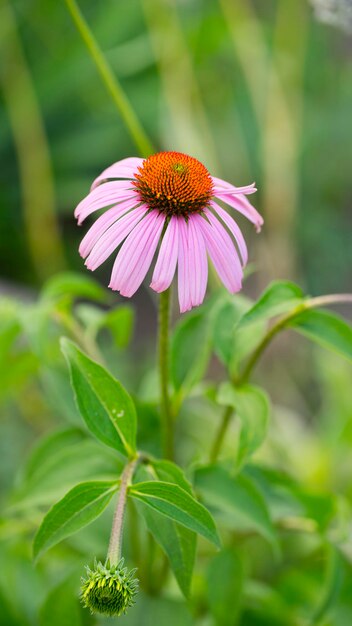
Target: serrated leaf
(80, 506)
(170, 500)
(327, 329)
(104, 404)
(280, 297)
(239, 503)
(251, 405)
(190, 350)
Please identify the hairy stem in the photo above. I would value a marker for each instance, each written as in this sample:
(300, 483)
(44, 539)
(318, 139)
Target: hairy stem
(166, 412)
(114, 552)
(123, 105)
(282, 322)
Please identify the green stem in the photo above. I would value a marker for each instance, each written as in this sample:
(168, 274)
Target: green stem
(166, 412)
(311, 303)
(220, 434)
(112, 84)
(114, 551)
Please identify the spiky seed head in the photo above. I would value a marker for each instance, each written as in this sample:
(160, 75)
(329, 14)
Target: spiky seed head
(109, 589)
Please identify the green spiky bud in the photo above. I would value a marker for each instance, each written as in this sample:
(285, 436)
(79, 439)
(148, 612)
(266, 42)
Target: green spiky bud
(109, 589)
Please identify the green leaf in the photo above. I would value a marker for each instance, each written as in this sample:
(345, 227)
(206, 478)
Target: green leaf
(225, 585)
(178, 543)
(169, 472)
(251, 405)
(104, 404)
(280, 297)
(327, 329)
(239, 503)
(226, 316)
(80, 506)
(190, 350)
(58, 463)
(172, 501)
(70, 285)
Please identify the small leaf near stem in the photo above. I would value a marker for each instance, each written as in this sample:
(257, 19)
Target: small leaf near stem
(282, 322)
(114, 551)
(167, 423)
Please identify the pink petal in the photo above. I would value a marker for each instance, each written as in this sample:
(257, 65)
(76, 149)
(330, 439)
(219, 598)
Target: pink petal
(126, 168)
(184, 293)
(234, 228)
(166, 263)
(223, 186)
(221, 251)
(241, 204)
(112, 238)
(136, 254)
(198, 269)
(104, 195)
(102, 224)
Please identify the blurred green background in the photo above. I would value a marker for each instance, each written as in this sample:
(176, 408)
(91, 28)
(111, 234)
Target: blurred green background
(257, 90)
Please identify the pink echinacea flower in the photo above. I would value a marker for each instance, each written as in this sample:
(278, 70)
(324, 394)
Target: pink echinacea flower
(167, 198)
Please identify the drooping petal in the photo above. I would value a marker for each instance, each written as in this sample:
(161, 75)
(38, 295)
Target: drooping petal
(184, 294)
(126, 168)
(223, 185)
(234, 228)
(198, 268)
(112, 238)
(103, 196)
(102, 224)
(221, 251)
(167, 259)
(133, 261)
(242, 205)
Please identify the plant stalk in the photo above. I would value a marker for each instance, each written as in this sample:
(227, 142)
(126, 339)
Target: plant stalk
(114, 551)
(122, 103)
(167, 423)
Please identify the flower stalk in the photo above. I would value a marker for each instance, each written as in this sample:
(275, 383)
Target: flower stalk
(114, 551)
(167, 422)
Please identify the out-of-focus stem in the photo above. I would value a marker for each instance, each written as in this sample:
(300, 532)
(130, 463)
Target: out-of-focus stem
(220, 434)
(167, 423)
(34, 162)
(123, 105)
